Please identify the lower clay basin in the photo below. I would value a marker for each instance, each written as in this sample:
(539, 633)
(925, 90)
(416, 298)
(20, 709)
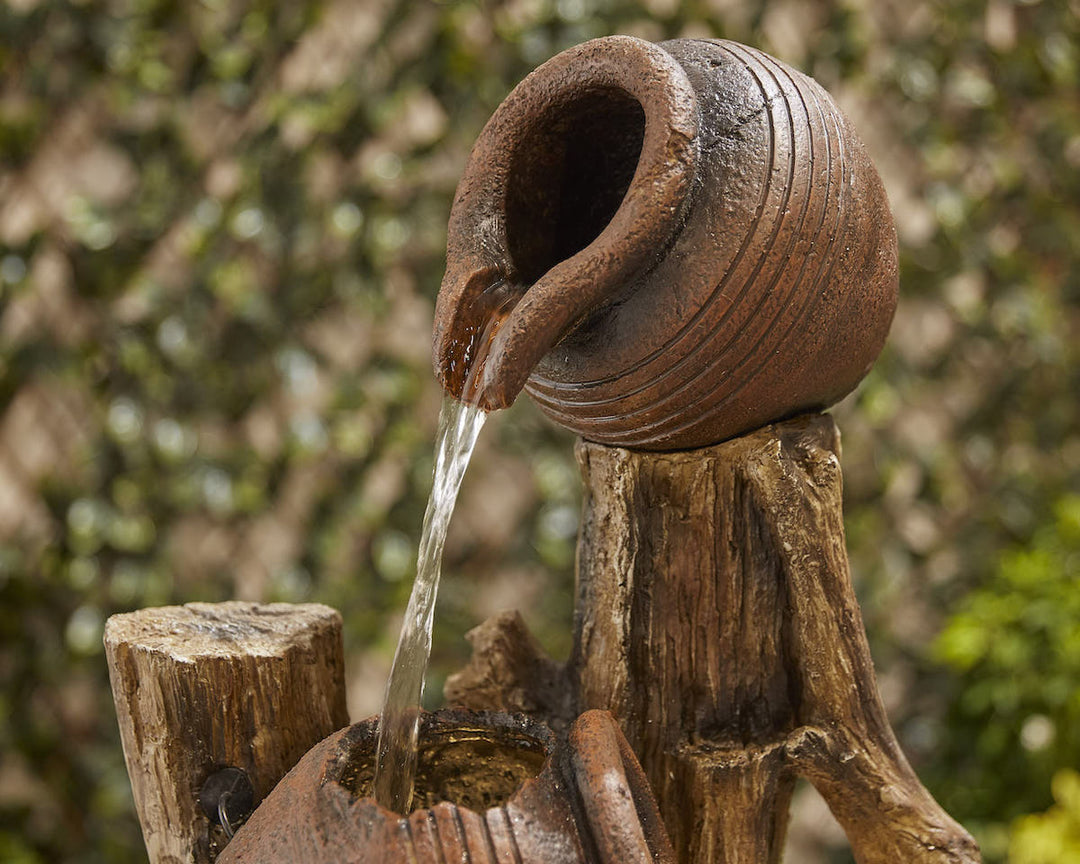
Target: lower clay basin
(490, 788)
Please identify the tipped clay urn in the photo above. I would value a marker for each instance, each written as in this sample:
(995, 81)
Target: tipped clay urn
(689, 237)
(491, 788)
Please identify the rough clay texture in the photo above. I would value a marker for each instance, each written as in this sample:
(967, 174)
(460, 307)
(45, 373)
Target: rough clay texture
(748, 271)
(590, 803)
(715, 617)
(204, 686)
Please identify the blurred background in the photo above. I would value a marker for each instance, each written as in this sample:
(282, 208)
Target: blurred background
(222, 229)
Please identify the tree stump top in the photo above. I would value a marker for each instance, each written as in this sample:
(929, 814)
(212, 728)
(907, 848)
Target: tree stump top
(220, 629)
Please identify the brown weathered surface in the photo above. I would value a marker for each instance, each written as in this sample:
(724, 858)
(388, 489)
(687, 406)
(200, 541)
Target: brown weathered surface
(203, 686)
(510, 672)
(589, 803)
(715, 617)
(688, 241)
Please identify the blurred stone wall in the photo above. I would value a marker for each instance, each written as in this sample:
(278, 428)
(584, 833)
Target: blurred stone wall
(222, 226)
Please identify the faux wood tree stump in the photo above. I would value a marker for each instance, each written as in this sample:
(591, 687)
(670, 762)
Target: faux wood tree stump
(715, 617)
(208, 686)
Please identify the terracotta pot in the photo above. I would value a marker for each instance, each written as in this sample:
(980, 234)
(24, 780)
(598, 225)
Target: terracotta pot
(506, 792)
(690, 237)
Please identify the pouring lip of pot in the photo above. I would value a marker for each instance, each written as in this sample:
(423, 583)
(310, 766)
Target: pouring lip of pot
(613, 810)
(494, 261)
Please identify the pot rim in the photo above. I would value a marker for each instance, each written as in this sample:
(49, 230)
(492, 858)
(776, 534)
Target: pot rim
(361, 737)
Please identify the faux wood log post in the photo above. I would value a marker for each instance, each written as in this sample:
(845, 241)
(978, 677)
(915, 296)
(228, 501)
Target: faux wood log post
(206, 686)
(716, 618)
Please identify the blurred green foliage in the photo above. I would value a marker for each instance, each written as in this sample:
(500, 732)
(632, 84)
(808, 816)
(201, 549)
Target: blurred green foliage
(221, 232)
(1054, 835)
(1015, 644)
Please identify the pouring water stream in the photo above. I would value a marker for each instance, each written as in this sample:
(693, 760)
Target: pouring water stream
(395, 761)
(399, 723)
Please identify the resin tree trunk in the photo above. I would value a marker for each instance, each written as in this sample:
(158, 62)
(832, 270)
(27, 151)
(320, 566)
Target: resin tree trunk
(216, 698)
(715, 617)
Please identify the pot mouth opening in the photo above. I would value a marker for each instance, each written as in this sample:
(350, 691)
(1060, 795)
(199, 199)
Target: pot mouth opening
(569, 176)
(472, 766)
(579, 181)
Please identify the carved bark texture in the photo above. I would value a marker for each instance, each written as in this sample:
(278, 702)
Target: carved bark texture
(715, 617)
(205, 686)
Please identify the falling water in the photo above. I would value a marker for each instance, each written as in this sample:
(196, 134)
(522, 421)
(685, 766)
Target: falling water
(395, 760)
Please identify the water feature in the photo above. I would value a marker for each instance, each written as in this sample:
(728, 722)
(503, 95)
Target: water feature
(395, 762)
(460, 422)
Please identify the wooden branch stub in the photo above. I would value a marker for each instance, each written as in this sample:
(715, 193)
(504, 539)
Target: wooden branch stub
(509, 671)
(206, 686)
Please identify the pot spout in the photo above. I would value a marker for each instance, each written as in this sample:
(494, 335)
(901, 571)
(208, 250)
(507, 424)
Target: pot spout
(575, 186)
